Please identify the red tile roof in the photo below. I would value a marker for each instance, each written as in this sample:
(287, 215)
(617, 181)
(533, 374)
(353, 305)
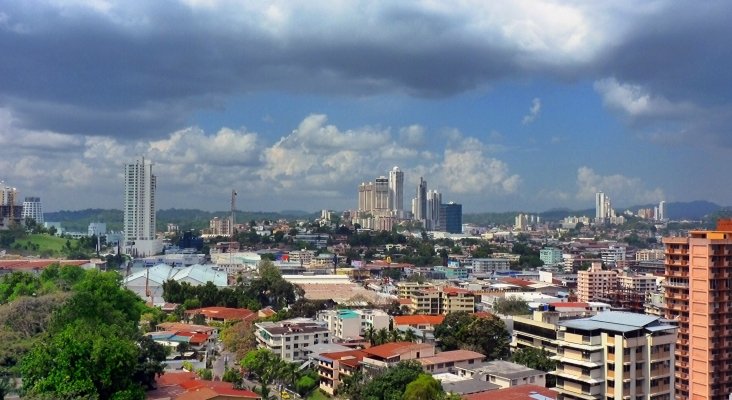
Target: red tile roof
(451, 356)
(187, 386)
(405, 302)
(225, 313)
(521, 392)
(517, 282)
(483, 314)
(393, 349)
(418, 319)
(350, 357)
(454, 290)
(574, 304)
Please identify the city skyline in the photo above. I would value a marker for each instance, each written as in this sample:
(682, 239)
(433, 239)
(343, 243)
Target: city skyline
(505, 107)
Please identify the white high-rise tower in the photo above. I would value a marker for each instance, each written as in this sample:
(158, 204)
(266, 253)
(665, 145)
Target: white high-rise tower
(396, 191)
(139, 229)
(32, 210)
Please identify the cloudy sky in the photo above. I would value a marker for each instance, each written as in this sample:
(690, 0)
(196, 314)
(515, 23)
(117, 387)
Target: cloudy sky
(500, 105)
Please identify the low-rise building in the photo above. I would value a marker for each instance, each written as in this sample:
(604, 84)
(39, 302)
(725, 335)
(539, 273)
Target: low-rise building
(449, 361)
(490, 265)
(441, 300)
(223, 314)
(347, 324)
(595, 282)
(333, 367)
(422, 322)
(551, 256)
(389, 354)
(504, 374)
(288, 339)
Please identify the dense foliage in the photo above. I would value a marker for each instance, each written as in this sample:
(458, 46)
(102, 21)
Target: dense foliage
(537, 359)
(486, 335)
(511, 305)
(92, 348)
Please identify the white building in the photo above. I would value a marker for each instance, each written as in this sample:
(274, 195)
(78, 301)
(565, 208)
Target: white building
(288, 339)
(353, 323)
(396, 191)
(97, 228)
(139, 229)
(32, 209)
(613, 255)
(148, 282)
(490, 265)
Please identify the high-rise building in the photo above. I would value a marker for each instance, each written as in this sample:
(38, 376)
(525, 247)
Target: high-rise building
(604, 211)
(698, 291)
(432, 217)
(10, 212)
(381, 194)
(396, 191)
(139, 222)
(661, 211)
(32, 209)
(8, 195)
(419, 205)
(366, 197)
(451, 218)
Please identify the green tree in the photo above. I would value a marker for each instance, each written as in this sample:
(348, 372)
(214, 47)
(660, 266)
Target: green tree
(425, 387)
(265, 365)
(391, 384)
(448, 334)
(537, 359)
(511, 305)
(461, 330)
(80, 361)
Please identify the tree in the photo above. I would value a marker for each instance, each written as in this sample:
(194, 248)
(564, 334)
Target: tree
(266, 365)
(391, 384)
(461, 330)
(410, 336)
(425, 387)
(537, 359)
(82, 361)
(183, 347)
(511, 305)
(239, 339)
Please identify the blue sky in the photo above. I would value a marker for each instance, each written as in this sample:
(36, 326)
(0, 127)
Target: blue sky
(515, 105)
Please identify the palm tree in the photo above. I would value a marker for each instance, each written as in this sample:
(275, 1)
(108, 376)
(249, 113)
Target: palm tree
(410, 336)
(382, 336)
(395, 335)
(370, 335)
(288, 373)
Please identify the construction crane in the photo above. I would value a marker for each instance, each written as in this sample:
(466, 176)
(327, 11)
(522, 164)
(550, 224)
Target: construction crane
(233, 208)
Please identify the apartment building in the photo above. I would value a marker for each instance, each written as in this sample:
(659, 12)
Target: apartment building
(405, 290)
(288, 339)
(490, 265)
(334, 367)
(390, 354)
(594, 282)
(698, 295)
(638, 283)
(442, 300)
(615, 355)
(353, 323)
(505, 374)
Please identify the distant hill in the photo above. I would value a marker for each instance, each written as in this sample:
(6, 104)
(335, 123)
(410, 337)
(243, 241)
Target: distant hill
(185, 218)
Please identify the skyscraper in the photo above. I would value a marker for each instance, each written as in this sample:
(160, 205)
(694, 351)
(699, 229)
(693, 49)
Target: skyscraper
(396, 191)
(381, 194)
(434, 200)
(698, 290)
(661, 211)
(420, 204)
(32, 209)
(451, 218)
(600, 206)
(139, 229)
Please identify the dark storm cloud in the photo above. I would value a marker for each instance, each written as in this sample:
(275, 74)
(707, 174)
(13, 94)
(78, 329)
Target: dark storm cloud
(141, 69)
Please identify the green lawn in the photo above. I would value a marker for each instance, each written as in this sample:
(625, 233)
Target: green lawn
(45, 243)
(318, 395)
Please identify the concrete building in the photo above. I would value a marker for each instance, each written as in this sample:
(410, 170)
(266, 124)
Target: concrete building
(615, 355)
(490, 265)
(148, 282)
(593, 283)
(613, 256)
(649, 255)
(450, 361)
(419, 204)
(434, 200)
(97, 229)
(390, 354)
(698, 290)
(139, 210)
(551, 256)
(396, 191)
(505, 374)
(350, 324)
(334, 367)
(288, 339)
(32, 209)
(441, 300)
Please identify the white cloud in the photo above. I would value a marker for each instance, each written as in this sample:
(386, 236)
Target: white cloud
(413, 135)
(637, 102)
(621, 189)
(465, 169)
(534, 111)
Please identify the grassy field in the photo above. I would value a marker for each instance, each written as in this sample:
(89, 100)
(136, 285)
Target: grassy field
(46, 244)
(317, 395)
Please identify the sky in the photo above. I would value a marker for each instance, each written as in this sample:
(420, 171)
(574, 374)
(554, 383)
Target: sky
(500, 105)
